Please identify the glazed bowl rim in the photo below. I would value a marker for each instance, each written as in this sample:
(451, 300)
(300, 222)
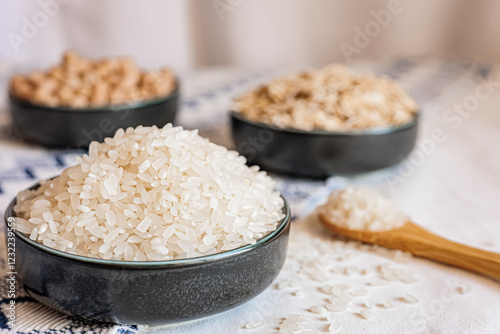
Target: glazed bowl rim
(381, 130)
(282, 225)
(103, 109)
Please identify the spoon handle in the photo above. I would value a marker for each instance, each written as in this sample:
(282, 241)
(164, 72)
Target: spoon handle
(419, 241)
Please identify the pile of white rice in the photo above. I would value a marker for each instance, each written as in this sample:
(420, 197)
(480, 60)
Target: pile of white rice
(361, 208)
(150, 194)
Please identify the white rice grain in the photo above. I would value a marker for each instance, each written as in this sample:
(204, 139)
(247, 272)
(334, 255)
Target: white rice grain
(464, 289)
(365, 314)
(359, 292)
(318, 309)
(334, 326)
(339, 304)
(411, 299)
(369, 304)
(386, 304)
(254, 324)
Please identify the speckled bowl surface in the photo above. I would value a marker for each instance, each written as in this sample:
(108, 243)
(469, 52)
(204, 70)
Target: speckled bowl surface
(147, 293)
(319, 154)
(65, 127)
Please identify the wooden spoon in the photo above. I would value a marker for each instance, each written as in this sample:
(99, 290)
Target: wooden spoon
(418, 241)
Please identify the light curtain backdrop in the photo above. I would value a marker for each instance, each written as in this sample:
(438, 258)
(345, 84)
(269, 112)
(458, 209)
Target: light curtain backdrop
(193, 33)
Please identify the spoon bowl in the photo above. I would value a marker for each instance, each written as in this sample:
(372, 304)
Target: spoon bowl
(420, 242)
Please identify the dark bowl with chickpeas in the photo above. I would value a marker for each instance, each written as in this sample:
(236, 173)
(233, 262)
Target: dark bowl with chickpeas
(81, 101)
(65, 127)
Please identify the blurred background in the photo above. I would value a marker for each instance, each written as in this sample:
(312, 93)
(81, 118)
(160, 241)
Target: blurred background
(188, 34)
(442, 52)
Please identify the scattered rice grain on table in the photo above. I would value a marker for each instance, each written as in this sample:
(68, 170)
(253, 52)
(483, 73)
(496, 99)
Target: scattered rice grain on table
(254, 324)
(310, 254)
(318, 309)
(386, 304)
(365, 314)
(359, 292)
(369, 304)
(339, 304)
(411, 299)
(334, 326)
(293, 323)
(464, 289)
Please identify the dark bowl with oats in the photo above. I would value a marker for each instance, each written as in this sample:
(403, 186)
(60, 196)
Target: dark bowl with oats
(319, 123)
(320, 154)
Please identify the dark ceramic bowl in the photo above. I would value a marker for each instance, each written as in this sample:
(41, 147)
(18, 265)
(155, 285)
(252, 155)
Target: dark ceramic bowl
(319, 154)
(148, 293)
(66, 127)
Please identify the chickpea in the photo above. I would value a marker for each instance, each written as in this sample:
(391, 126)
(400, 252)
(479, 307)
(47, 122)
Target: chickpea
(79, 82)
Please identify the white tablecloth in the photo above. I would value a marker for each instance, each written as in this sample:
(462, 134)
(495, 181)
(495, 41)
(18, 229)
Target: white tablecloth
(452, 188)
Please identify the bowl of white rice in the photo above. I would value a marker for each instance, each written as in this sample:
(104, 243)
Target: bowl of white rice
(152, 226)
